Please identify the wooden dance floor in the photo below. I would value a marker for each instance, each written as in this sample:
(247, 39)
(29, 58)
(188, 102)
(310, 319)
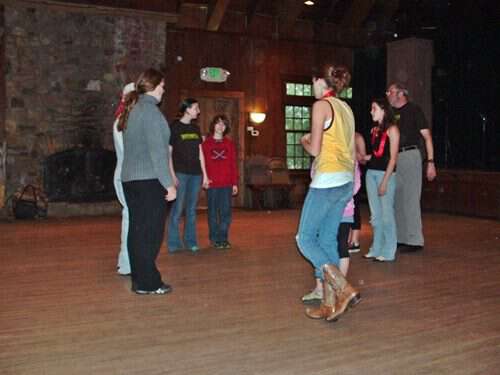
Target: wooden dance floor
(65, 311)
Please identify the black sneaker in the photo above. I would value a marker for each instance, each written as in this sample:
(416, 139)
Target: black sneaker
(163, 289)
(404, 248)
(225, 245)
(354, 248)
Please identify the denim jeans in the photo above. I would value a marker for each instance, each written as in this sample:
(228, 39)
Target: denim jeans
(123, 259)
(187, 199)
(219, 213)
(382, 214)
(319, 224)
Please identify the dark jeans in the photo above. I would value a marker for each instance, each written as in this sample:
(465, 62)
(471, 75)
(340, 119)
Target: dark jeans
(187, 199)
(357, 211)
(343, 239)
(147, 212)
(219, 213)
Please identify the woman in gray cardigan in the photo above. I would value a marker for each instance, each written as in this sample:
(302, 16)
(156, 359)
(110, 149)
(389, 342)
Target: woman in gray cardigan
(146, 178)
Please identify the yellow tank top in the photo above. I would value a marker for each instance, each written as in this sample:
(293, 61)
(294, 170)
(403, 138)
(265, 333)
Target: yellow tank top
(337, 147)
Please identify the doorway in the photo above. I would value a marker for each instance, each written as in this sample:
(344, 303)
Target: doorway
(230, 104)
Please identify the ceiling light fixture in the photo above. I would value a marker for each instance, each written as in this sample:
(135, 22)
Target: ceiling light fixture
(309, 2)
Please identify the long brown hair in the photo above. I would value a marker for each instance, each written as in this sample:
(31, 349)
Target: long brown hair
(147, 82)
(215, 120)
(389, 118)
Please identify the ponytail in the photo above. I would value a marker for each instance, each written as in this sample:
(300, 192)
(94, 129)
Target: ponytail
(147, 81)
(129, 102)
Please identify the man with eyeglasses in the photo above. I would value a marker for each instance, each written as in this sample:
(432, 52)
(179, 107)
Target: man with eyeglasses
(412, 126)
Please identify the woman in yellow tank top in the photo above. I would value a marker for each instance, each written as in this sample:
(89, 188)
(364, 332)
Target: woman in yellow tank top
(331, 143)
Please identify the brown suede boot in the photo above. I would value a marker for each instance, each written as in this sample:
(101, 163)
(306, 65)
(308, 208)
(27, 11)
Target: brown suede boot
(346, 295)
(327, 306)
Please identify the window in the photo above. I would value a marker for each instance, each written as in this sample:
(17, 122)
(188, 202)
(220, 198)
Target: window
(298, 89)
(297, 106)
(297, 123)
(345, 93)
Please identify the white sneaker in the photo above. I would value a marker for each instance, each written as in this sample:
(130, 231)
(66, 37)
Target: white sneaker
(313, 297)
(354, 248)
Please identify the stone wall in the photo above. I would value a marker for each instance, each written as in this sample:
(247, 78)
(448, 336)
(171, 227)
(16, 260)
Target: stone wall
(63, 75)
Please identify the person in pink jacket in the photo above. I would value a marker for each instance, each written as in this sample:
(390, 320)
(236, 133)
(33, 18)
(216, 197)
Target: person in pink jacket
(345, 225)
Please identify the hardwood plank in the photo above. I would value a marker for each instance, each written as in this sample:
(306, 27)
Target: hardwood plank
(65, 311)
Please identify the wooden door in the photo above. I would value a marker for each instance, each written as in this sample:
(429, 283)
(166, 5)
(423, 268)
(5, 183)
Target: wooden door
(230, 104)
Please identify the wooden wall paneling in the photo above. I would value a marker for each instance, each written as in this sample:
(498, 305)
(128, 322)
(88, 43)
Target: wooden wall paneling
(233, 23)
(486, 193)
(256, 66)
(192, 16)
(261, 26)
(271, 141)
(463, 192)
(440, 194)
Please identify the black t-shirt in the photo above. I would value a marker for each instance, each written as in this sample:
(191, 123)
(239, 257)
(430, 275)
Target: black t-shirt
(410, 120)
(379, 163)
(185, 140)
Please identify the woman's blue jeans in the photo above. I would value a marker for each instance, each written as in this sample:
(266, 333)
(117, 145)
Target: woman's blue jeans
(187, 199)
(319, 224)
(382, 219)
(219, 213)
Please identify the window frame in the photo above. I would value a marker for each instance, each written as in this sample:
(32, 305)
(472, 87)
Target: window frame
(293, 100)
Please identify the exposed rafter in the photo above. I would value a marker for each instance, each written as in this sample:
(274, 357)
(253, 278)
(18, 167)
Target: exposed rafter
(216, 14)
(356, 14)
(94, 9)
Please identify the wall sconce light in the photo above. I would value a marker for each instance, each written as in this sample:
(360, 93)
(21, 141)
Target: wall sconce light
(257, 117)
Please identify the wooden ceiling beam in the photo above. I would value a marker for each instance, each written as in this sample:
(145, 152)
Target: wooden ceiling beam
(217, 14)
(357, 13)
(95, 9)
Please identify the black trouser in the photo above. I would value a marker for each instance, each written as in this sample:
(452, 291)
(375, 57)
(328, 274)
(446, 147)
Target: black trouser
(357, 211)
(147, 214)
(343, 239)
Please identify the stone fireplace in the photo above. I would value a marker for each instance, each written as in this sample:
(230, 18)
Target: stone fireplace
(63, 73)
(79, 175)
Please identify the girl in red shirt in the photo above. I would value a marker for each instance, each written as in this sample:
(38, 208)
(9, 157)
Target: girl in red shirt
(220, 162)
